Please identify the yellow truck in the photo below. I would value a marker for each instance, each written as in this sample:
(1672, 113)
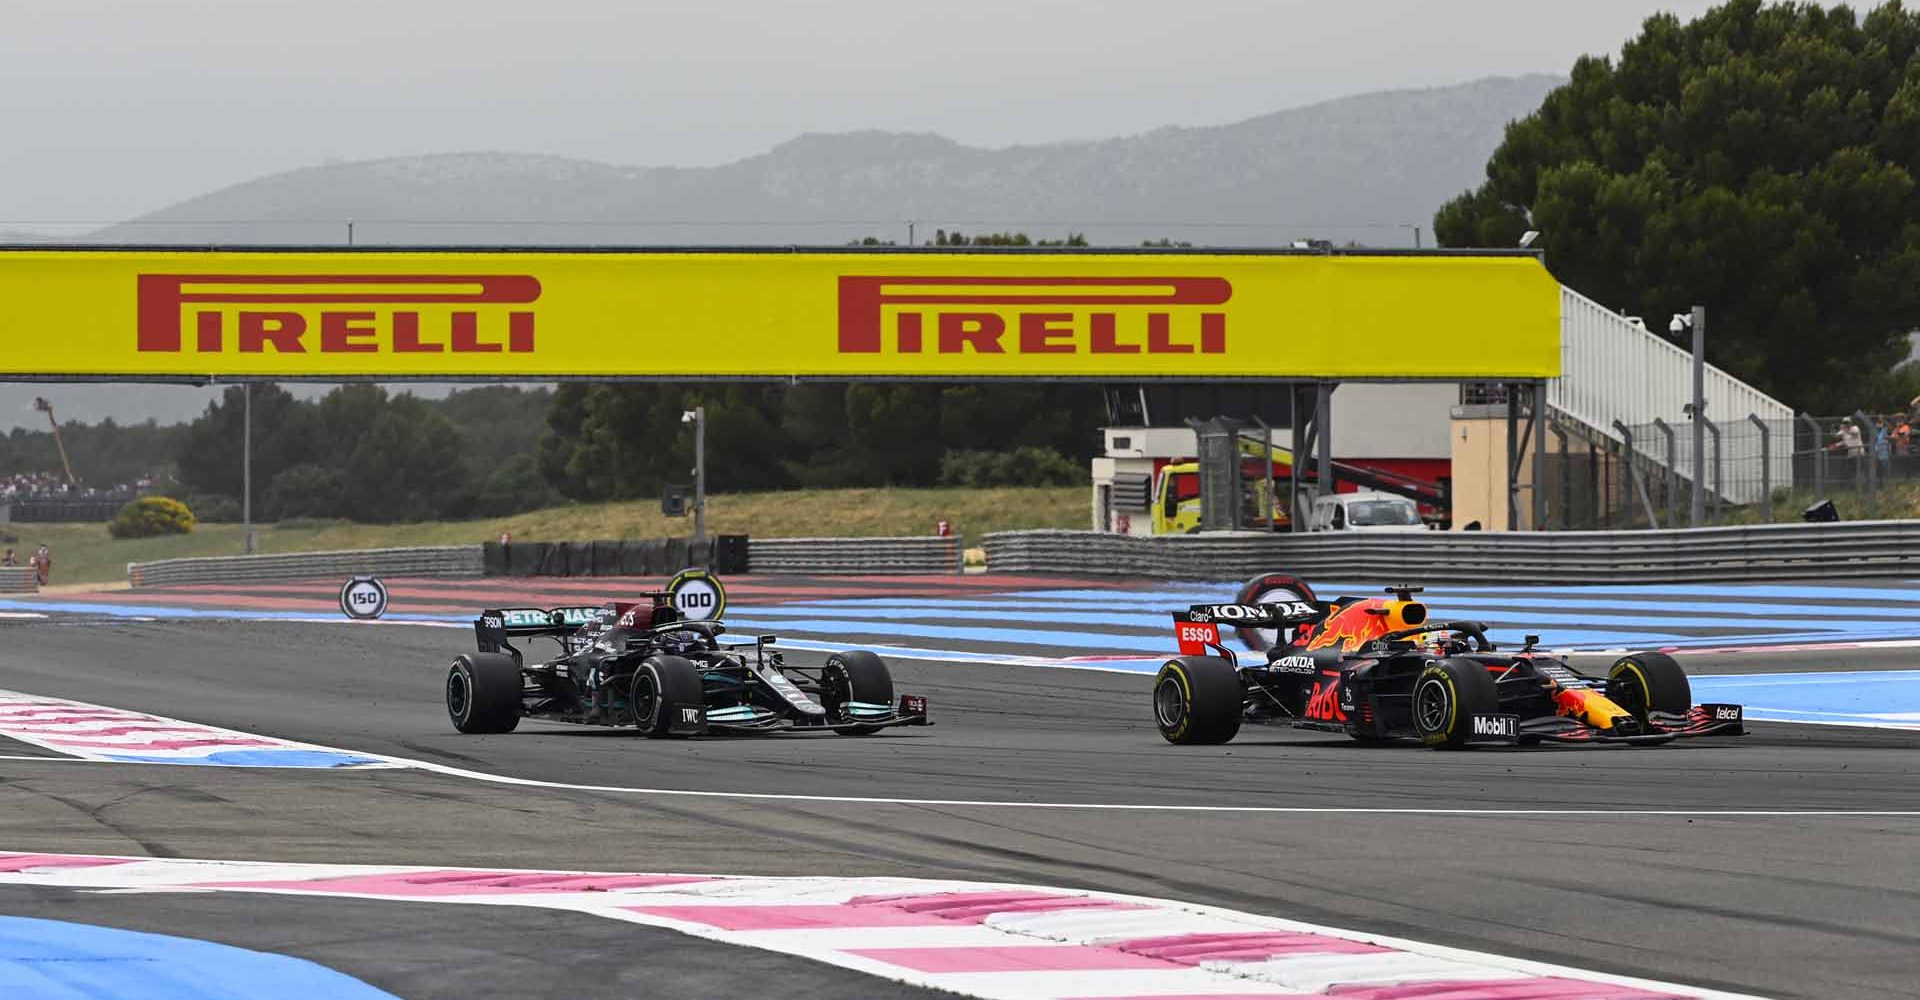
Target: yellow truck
(1176, 489)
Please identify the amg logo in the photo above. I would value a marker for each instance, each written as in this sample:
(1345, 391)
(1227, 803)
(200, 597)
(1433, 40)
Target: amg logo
(1006, 315)
(1496, 725)
(337, 313)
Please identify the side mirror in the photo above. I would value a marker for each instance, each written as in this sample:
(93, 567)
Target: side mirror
(768, 640)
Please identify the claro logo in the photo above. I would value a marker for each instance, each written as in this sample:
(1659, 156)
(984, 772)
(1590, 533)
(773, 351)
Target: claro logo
(1002, 315)
(337, 313)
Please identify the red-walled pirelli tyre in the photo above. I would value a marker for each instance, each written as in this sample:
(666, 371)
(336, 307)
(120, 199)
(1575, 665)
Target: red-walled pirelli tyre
(1268, 588)
(1649, 682)
(1197, 700)
(483, 693)
(1446, 696)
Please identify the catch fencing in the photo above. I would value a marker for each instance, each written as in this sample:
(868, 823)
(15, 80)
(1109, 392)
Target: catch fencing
(1849, 549)
(442, 561)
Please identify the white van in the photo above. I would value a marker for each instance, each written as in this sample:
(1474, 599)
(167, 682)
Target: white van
(1366, 511)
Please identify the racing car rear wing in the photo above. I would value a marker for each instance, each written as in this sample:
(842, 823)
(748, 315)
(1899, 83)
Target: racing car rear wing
(495, 626)
(1198, 628)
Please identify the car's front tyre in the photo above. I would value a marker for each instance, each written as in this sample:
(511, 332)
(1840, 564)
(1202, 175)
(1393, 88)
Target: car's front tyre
(1446, 696)
(483, 693)
(851, 683)
(1648, 682)
(660, 687)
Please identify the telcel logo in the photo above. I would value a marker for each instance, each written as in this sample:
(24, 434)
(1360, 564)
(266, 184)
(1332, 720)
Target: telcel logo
(1004, 315)
(338, 313)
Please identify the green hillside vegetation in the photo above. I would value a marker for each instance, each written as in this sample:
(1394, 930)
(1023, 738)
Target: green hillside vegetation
(84, 553)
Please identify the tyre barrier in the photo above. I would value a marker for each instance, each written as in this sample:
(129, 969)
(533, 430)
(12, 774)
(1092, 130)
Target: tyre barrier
(1838, 550)
(18, 580)
(916, 554)
(442, 561)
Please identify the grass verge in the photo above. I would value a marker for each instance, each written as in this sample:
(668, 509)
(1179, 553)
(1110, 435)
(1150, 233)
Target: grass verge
(85, 553)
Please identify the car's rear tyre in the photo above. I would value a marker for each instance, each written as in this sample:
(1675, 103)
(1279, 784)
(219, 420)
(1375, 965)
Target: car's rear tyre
(1198, 700)
(1268, 588)
(660, 686)
(1649, 682)
(483, 693)
(1446, 696)
(854, 677)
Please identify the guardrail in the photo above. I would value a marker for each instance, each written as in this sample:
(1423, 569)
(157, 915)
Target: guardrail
(917, 554)
(18, 580)
(1758, 552)
(446, 560)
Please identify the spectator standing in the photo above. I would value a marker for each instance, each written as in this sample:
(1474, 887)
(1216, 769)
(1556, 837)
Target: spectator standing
(43, 563)
(1902, 436)
(1882, 446)
(1850, 439)
(9, 559)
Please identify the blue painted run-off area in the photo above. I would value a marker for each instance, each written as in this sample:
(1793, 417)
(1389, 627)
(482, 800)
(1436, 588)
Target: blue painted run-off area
(1857, 698)
(56, 960)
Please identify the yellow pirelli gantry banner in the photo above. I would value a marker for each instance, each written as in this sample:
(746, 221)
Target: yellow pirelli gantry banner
(827, 314)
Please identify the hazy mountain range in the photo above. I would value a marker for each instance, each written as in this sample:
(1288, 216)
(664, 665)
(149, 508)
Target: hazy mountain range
(1368, 169)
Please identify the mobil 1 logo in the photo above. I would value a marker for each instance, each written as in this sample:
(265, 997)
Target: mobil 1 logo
(363, 598)
(697, 595)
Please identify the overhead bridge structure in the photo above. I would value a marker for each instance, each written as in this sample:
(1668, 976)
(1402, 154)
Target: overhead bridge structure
(1308, 318)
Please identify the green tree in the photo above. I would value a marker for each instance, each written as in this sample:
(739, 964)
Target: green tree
(1757, 161)
(406, 467)
(285, 433)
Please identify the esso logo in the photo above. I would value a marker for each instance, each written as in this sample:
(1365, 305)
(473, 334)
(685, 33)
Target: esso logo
(363, 598)
(697, 595)
(1197, 633)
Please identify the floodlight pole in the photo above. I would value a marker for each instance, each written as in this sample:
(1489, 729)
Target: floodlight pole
(1697, 510)
(699, 474)
(246, 467)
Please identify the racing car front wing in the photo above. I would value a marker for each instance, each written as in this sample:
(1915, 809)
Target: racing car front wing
(1662, 727)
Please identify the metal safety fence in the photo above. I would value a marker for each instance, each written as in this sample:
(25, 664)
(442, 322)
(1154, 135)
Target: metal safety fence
(18, 580)
(1751, 470)
(1848, 549)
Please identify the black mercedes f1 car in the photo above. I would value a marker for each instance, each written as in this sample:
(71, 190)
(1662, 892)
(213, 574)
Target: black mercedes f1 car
(1379, 669)
(644, 665)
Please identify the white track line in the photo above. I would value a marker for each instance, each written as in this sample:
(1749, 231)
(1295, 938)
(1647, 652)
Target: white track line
(389, 761)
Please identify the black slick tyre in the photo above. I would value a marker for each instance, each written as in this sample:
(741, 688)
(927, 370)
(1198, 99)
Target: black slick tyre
(483, 693)
(854, 679)
(660, 686)
(1198, 700)
(1649, 682)
(1446, 696)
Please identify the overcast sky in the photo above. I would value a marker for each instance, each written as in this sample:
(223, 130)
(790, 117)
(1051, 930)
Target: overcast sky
(112, 108)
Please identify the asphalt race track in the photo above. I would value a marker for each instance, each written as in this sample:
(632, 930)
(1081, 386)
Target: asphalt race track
(1779, 864)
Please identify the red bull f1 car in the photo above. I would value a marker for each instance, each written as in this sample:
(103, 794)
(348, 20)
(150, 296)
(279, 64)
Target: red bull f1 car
(646, 666)
(1381, 669)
